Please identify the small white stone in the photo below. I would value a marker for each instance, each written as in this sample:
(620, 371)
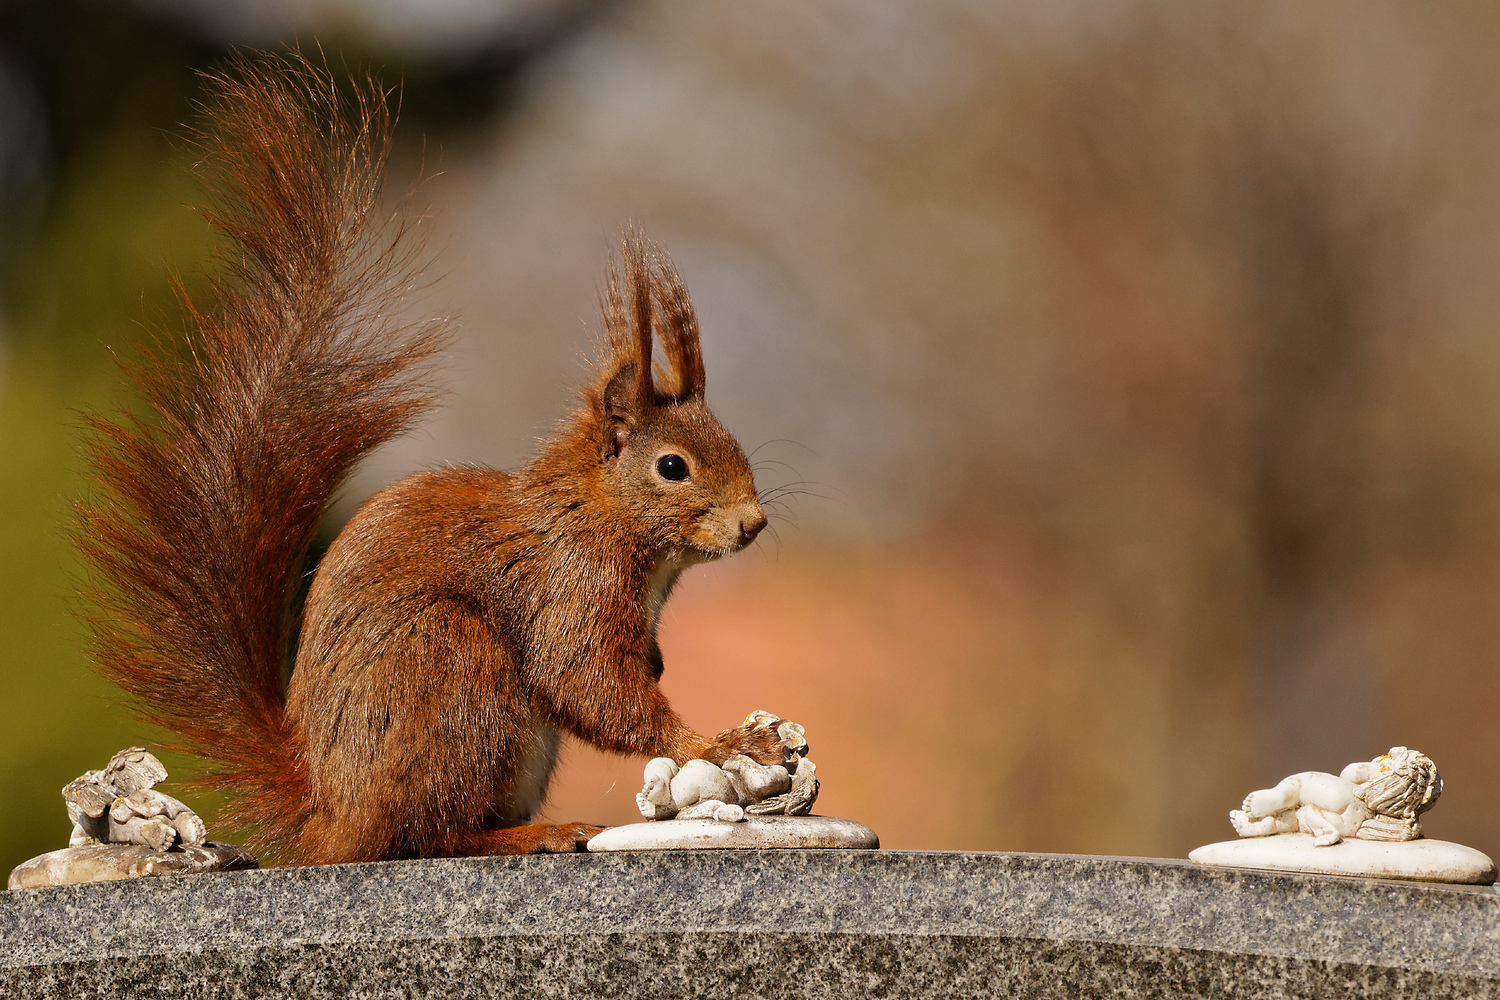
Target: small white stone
(1422, 859)
(754, 832)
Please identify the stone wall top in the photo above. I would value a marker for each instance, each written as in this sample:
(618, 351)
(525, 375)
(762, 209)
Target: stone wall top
(752, 923)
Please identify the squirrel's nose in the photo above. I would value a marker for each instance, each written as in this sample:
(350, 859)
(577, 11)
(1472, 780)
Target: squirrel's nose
(750, 524)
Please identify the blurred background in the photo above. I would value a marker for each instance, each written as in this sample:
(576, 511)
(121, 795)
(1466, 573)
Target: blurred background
(1131, 367)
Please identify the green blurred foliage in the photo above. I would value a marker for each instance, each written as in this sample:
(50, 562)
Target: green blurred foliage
(94, 279)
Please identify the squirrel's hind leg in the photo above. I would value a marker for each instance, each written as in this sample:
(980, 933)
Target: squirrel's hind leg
(540, 838)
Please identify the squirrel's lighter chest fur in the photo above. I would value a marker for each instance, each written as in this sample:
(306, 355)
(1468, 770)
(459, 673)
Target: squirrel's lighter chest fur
(659, 587)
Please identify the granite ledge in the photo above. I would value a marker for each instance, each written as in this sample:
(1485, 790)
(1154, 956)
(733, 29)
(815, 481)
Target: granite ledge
(752, 923)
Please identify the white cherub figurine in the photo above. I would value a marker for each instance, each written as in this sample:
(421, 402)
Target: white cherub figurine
(1369, 800)
(701, 790)
(118, 805)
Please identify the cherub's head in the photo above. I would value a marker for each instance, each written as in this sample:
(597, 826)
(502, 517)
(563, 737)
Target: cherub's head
(1408, 785)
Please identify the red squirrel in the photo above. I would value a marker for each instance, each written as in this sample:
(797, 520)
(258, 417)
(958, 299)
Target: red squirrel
(465, 619)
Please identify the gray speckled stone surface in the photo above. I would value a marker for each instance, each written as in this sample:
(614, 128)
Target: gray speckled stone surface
(752, 923)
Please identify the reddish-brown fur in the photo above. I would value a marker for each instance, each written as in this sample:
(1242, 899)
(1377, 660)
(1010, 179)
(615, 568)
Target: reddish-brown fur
(465, 619)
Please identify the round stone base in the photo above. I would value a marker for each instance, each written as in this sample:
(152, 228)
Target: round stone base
(1421, 859)
(109, 862)
(754, 832)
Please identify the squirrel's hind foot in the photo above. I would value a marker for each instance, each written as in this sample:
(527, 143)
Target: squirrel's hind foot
(540, 838)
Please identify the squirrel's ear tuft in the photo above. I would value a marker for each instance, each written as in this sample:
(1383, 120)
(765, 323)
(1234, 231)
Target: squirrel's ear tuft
(626, 395)
(645, 300)
(677, 326)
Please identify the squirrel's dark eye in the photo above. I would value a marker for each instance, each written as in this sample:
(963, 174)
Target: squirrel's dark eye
(673, 467)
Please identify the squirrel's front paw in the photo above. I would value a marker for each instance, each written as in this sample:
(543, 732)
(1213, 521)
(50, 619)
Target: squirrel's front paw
(761, 744)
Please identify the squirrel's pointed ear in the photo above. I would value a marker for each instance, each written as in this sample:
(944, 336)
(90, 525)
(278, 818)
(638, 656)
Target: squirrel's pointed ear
(619, 410)
(627, 395)
(678, 330)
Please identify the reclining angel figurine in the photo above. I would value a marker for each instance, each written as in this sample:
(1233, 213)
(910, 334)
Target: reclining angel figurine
(118, 805)
(701, 790)
(1369, 800)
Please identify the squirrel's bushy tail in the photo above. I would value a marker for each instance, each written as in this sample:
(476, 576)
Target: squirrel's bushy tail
(298, 368)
